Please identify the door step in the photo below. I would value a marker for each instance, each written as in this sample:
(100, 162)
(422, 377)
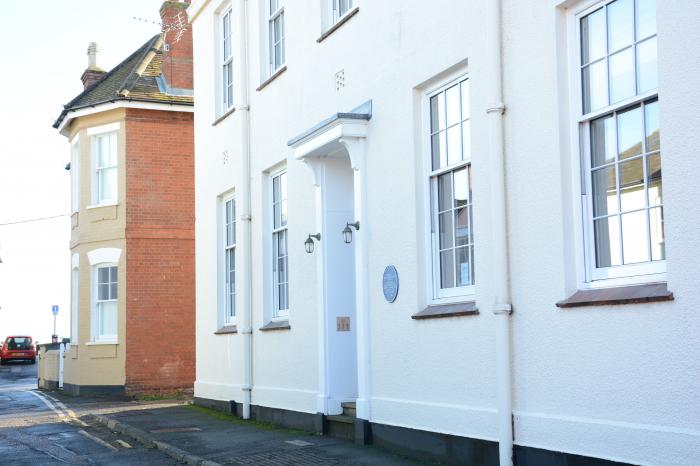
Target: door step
(341, 426)
(349, 409)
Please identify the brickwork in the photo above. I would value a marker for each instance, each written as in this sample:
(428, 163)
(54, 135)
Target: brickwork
(177, 59)
(160, 313)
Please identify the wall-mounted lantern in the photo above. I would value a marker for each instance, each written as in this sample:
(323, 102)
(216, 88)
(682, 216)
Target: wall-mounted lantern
(347, 232)
(309, 243)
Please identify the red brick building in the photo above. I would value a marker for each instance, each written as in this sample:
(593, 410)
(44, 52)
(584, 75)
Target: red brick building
(132, 175)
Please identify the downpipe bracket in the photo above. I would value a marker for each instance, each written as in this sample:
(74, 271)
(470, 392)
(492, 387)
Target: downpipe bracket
(496, 107)
(503, 309)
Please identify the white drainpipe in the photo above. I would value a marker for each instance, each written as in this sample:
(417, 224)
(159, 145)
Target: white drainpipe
(501, 307)
(244, 197)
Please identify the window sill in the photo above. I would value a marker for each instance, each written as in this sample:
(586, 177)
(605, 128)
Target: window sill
(272, 77)
(447, 310)
(634, 294)
(227, 330)
(276, 325)
(106, 204)
(223, 117)
(105, 342)
(337, 25)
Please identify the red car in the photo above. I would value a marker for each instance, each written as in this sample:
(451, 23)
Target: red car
(18, 349)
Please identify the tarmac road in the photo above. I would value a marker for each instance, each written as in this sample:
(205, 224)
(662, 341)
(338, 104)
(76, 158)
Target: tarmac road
(36, 429)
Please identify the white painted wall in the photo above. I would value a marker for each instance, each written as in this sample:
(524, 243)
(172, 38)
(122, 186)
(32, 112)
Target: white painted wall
(612, 382)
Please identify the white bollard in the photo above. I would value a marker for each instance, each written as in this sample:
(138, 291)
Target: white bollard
(61, 355)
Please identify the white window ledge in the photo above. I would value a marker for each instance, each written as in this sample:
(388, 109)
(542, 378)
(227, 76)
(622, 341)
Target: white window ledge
(102, 342)
(97, 206)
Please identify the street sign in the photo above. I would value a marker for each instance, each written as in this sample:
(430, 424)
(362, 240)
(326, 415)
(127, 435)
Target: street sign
(54, 309)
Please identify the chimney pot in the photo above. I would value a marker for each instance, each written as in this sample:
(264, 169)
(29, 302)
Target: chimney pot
(92, 73)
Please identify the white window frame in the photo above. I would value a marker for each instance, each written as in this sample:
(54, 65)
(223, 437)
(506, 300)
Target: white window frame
(589, 276)
(96, 315)
(272, 16)
(334, 10)
(277, 314)
(99, 171)
(75, 175)
(228, 306)
(436, 294)
(226, 61)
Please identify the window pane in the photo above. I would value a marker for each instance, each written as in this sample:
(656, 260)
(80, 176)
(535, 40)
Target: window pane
(651, 121)
(654, 179)
(646, 18)
(607, 241)
(113, 274)
(647, 78)
(277, 208)
(595, 88)
(283, 185)
(461, 180)
(273, 6)
(656, 227)
(602, 141)
(108, 184)
(283, 300)
(108, 318)
(466, 140)
(282, 243)
(593, 36)
(453, 105)
(462, 226)
(276, 189)
(632, 185)
(462, 267)
(112, 160)
(620, 24)
(629, 133)
(444, 192)
(634, 237)
(103, 275)
(465, 99)
(622, 75)
(281, 270)
(447, 279)
(102, 291)
(604, 191)
(283, 212)
(445, 234)
(437, 112)
(454, 145)
(439, 150)
(113, 291)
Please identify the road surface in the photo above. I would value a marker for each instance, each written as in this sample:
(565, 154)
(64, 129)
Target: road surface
(36, 429)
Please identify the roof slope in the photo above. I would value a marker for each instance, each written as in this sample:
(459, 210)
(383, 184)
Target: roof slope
(134, 79)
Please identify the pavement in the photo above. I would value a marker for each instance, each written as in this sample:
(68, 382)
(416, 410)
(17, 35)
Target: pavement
(53, 428)
(196, 435)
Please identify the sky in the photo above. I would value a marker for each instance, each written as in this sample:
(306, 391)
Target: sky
(43, 45)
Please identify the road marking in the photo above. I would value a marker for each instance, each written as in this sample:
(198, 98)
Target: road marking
(123, 443)
(65, 408)
(98, 440)
(48, 403)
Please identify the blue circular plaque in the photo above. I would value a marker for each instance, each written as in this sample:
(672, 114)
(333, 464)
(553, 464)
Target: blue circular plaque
(390, 283)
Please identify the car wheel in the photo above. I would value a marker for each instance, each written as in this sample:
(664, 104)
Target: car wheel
(33, 361)
(2, 362)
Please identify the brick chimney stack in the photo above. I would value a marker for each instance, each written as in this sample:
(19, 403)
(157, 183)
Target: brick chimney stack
(177, 45)
(93, 72)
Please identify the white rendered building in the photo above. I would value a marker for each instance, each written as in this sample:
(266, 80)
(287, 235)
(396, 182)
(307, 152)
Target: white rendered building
(499, 275)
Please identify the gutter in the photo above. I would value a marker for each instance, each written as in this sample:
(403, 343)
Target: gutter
(244, 196)
(502, 308)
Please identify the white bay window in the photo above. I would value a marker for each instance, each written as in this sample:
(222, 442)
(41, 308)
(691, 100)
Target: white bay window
(105, 173)
(105, 303)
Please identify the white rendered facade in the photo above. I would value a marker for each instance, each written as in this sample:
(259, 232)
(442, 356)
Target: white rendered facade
(609, 381)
